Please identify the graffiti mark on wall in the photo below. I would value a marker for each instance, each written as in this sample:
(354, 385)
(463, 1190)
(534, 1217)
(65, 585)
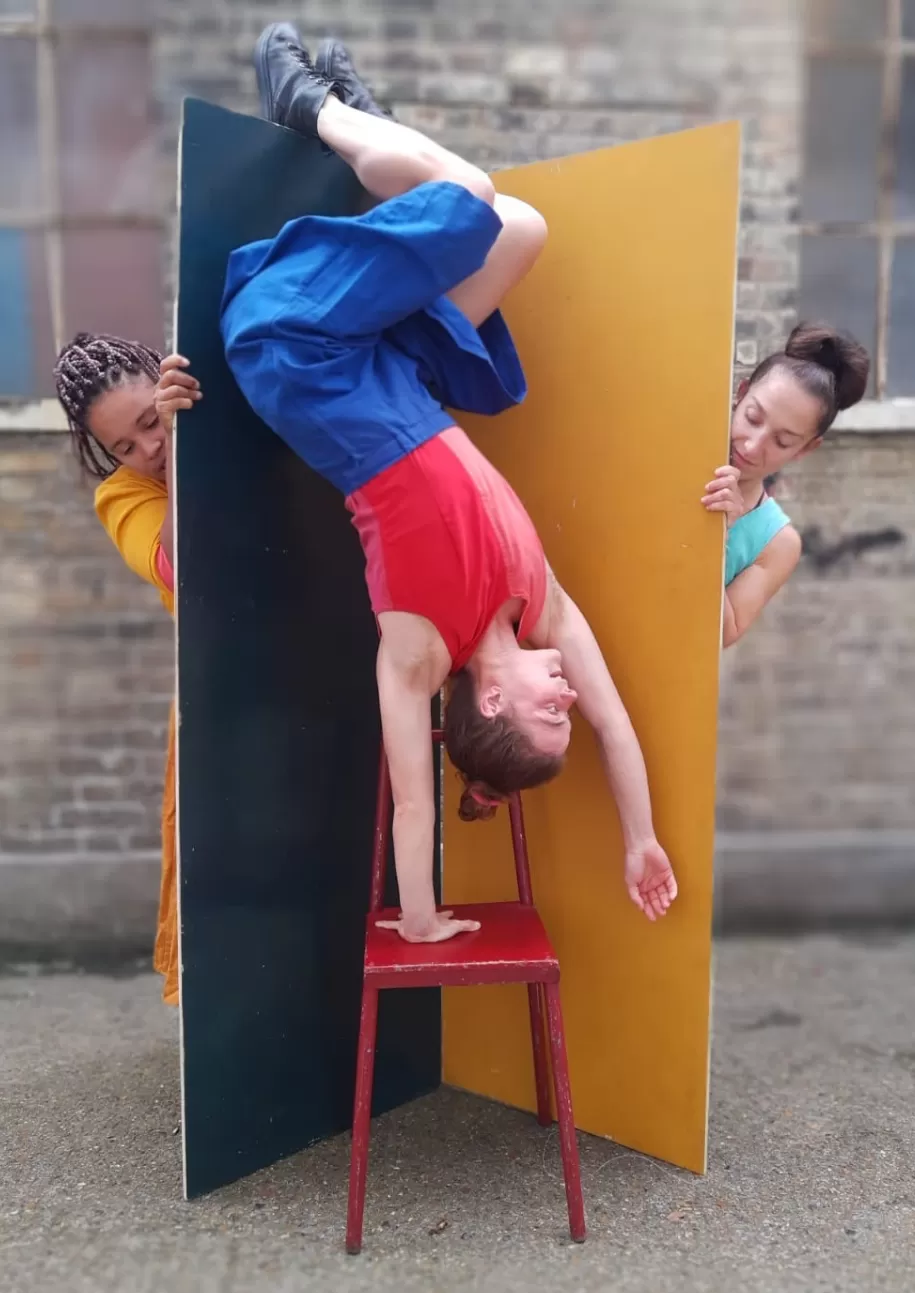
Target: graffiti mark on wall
(824, 555)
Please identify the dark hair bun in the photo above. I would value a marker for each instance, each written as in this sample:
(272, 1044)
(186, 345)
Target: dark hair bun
(838, 352)
(478, 803)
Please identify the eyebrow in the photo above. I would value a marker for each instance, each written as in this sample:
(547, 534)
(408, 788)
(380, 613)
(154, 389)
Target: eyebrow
(798, 435)
(141, 417)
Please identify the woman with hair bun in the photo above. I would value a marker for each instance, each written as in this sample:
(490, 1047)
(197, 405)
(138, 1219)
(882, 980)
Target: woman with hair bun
(782, 413)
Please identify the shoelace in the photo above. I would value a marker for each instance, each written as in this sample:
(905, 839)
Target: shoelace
(301, 56)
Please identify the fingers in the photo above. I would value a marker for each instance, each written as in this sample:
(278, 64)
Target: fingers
(721, 489)
(177, 390)
(396, 924)
(721, 496)
(446, 929)
(171, 362)
(729, 472)
(176, 381)
(172, 398)
(659, 901)
(661, 894)
(654, 897)
(182, 382)
(636, 895)
(449, 929)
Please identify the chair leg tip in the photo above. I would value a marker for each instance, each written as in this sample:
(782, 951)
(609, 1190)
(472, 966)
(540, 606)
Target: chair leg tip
(353, 1246)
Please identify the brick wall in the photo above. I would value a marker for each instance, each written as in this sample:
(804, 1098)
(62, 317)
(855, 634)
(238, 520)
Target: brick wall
(818, 707)
(818, 710)
(530, 84)
(86, 663)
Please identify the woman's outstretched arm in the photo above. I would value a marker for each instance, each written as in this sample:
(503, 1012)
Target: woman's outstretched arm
(649, 876)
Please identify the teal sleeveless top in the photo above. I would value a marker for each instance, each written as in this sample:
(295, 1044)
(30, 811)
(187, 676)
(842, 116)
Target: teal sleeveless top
(750, 534)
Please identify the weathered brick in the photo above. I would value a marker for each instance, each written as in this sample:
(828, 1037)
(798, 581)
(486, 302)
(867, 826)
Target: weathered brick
(29, 462)
(39, 846)
(817, 710)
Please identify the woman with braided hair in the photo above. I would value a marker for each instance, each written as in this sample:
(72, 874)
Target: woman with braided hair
(107, 387)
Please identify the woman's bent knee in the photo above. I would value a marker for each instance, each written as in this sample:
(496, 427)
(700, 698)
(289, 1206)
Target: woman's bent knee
(479, 184)
(522, 222)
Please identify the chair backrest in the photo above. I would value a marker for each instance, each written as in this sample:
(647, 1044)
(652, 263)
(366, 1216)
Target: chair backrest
(383, 808)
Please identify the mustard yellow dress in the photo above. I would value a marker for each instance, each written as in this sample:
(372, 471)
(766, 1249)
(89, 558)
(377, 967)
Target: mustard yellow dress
(132, 508)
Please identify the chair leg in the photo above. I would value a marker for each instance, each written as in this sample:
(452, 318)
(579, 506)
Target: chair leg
(541, 1063)
(568, 1142)
(362, 1118)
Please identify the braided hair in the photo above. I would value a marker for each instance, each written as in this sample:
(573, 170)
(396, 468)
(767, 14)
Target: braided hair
(90, 365)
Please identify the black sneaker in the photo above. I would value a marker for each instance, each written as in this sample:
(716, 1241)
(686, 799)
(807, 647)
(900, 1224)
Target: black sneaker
(292, 91)
(333, 61)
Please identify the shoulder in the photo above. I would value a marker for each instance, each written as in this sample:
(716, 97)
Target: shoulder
(124, 485)
(555, 608)
(782, 553)
(413, 649)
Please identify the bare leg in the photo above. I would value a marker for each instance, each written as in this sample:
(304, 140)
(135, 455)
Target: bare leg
(513, 253)
(391, 159)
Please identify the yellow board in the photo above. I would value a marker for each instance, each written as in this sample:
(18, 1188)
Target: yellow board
(625, 328)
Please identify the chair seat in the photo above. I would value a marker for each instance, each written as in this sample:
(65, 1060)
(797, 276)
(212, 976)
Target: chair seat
(511, 946)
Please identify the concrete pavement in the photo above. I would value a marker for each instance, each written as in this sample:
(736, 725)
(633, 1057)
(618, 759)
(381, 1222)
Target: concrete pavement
(810, 1187)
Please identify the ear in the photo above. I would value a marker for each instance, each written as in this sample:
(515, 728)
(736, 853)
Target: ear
(492, 702)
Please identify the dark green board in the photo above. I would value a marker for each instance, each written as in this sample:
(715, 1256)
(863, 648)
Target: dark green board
(279, 731)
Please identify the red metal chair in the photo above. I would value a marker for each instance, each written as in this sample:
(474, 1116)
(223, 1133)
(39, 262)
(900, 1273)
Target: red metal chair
(511, 946)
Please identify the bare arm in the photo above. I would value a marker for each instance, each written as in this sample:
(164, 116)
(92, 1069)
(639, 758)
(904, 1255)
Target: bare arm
(650, 879)
(599, 701)
(407, 728)
(405, 690)
(754, 588)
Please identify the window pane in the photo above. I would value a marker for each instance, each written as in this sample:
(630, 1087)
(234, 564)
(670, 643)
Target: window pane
(125, 13)
(18, 8)
(20, 166)
(846, 22)
(107, 144)
(844, 98)
(900, 376)
(908, 19)
(27, 352)
(113, 283)
(839, 284)
(905, 154)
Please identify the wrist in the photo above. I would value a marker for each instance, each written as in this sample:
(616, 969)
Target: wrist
(418, 921)
(636, 841)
